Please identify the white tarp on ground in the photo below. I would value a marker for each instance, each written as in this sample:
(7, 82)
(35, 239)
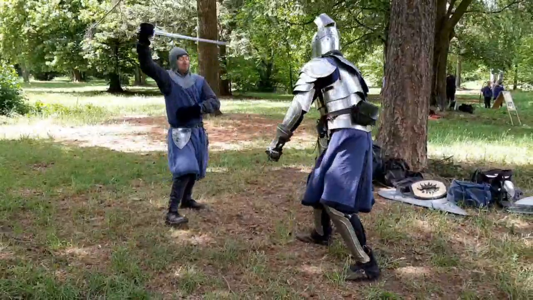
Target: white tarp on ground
(438, 204)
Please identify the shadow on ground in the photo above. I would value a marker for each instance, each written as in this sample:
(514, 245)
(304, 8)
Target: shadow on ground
(88, 222)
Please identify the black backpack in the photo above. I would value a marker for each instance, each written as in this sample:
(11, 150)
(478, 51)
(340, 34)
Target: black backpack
(496, 178)
(389, 171)
(468, 108)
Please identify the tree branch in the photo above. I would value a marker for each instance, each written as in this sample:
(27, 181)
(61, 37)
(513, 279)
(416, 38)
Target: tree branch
(358, 39)
(339, 3)
(450, 8)
(496, 11)
(459, 12)
(301, 24)
(363, 25)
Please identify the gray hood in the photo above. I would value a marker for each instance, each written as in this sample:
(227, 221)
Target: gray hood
(173, 56)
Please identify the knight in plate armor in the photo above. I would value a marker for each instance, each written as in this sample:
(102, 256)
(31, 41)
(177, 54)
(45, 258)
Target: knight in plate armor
(187, 98)
(340, 185)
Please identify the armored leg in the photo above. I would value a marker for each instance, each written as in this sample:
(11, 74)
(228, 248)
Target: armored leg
(176, 194)
(353, 234)
(321, 234)
(188, 201)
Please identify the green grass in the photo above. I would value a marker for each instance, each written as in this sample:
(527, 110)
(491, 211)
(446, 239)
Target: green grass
(84, 190)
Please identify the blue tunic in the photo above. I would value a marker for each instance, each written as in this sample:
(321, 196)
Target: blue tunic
(182, 91)
(342, 176)
(191, 159)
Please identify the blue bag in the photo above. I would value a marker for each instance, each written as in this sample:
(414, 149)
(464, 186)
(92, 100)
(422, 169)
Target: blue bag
(470, 194)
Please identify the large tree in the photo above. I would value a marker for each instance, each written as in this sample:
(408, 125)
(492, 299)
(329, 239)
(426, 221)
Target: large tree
(208, 64)
(409, 68)
(21, 42)
(449, 12)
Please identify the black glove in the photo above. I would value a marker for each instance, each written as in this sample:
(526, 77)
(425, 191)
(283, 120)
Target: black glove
(188, 113)
(146, 31)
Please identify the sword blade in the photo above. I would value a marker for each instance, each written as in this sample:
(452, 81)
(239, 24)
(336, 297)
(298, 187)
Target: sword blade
(185, 37)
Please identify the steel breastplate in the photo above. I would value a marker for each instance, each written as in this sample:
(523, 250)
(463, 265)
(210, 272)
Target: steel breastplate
(342, 95)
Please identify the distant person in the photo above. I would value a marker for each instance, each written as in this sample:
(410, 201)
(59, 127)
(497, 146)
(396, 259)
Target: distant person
(450, 90)
(498, 89)
(487, 94)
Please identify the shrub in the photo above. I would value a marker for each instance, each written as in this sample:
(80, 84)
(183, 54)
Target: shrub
(11, 99)
(59, 110)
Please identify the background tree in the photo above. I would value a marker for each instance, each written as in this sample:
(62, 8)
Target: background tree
(208, 64)
(21, 42)
(403, 130)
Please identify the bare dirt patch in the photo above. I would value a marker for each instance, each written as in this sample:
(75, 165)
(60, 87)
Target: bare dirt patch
(230, 131)
(148, 134)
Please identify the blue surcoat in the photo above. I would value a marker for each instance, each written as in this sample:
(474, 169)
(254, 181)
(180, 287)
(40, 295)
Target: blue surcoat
(187, 139)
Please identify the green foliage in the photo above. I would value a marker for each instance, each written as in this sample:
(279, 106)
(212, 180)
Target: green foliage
(495, 40)
(11, 99)
(55, 109)
(269, 40)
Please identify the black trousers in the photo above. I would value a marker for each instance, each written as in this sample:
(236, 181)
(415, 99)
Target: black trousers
(487, 102)
(181, 191)
(450, 95)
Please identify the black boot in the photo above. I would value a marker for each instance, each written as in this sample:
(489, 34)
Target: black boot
(314, 238)
(188, 201)
(173, 217)
(364, 271)
(191, 203)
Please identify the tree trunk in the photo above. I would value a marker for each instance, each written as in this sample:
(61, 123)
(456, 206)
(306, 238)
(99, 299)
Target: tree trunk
(289, 57)
(137, 80)
(445, 22)
(265, 78)
(225, 89)
(458, 72)
(140, 78)
(25, 74)
(143, 79)
(403, 130)
(208, 64)
(440, 60)
(515, 80)
(76, 75)
(114, 84)
(114, 78)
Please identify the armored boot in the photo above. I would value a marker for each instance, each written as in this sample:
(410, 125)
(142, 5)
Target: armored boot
(321, 234)
(369, 270)
(353, 234)
(173, 217)
(188, 201)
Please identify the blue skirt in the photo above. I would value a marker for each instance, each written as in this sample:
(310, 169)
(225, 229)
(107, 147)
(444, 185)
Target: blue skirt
(191, 159)
(342, 176)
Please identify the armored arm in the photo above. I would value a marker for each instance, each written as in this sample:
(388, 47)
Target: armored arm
(299, 107)
(305, 93)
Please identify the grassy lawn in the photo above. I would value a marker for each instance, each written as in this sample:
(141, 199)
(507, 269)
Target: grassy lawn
(84, 189)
